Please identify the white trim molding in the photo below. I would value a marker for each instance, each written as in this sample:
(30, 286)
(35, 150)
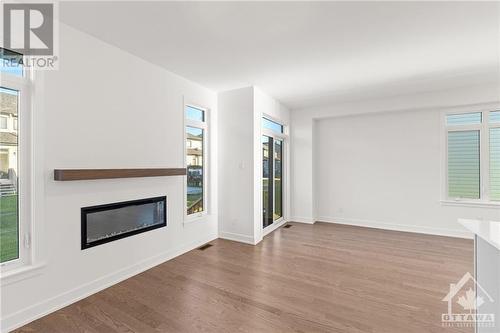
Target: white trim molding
(57, 302)
(269, 229)
(237, 237)
(397, 227)
(299, 219)
(471, 203)
(21, 273)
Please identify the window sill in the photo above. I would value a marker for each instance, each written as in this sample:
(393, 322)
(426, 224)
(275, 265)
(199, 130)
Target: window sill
(21, 273)
(474, 204)
(194, 218)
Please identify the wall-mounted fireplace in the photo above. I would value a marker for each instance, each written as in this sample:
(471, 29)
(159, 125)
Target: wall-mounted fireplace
(105, 223)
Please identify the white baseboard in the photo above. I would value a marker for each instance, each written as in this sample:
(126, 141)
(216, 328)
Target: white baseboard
(397, 227)
(237, 237)
(308, 220)
(55, 303)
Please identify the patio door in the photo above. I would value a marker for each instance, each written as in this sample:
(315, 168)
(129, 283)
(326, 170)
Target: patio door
(272, 179)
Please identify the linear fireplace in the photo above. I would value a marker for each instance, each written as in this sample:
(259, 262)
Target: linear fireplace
(105, 223)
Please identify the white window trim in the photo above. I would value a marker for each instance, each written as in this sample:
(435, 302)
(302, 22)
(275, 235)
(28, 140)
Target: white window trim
(484, 200)
(285, 167)
(205, 125)
(30, 120)
(18, 268)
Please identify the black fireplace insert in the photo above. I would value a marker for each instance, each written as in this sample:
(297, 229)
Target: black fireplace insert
(105, 223)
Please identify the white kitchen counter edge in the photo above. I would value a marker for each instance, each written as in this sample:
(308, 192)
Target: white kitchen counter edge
(485, 229)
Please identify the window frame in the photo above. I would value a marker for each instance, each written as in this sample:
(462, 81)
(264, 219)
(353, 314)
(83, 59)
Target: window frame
(204, 125)
(24, 85)
(484, 159)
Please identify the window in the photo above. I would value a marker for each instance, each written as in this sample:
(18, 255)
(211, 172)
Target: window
(463, 164)
(495, 117)
(464, 119)
(15, 158)
(195, 114)
(9, 175)
(196, 138)
(473, 156)
(272, 125)
(495, 163)
(11, 63)
(3, 122)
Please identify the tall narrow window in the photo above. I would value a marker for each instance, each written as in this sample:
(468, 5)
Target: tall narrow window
(196, 135)
(15, 160)
(278, 179)
(9, 174)
(267, 189)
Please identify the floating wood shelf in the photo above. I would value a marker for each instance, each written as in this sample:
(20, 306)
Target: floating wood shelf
(89, 174)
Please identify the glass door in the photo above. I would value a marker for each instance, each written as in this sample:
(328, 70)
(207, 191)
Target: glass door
(267, 188)
(277, 175)
(272, 179)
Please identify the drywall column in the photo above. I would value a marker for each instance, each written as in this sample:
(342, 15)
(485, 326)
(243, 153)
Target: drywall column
(302, 167)
(240, 161)
(236, 165)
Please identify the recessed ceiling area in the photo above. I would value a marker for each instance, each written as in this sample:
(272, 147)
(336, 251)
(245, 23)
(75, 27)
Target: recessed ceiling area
(305, 53)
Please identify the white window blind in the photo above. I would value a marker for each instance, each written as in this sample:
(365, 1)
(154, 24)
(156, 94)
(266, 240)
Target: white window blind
(464, 164)
(464, 119)
(495, 163)
(495, 117)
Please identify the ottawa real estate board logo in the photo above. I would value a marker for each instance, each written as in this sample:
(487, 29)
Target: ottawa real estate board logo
(30, 35)
(466, 301)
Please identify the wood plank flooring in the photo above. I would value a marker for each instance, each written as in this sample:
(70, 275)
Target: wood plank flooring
(308, 278)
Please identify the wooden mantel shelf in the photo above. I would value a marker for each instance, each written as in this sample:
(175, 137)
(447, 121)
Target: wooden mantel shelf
(89, 174)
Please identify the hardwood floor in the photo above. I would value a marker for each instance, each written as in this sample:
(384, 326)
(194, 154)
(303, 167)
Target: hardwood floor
(308, 278)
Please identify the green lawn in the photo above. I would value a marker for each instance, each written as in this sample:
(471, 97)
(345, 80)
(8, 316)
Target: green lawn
(277, 197)
(9, 248)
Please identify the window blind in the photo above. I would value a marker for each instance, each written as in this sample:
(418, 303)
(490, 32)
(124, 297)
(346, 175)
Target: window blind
(495, 117)
(464, 164)
(495, 163)
(464, 119)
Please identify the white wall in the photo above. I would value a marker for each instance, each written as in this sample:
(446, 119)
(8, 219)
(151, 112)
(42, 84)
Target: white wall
(302, 193)
(105, 108)
(384, 170)
(240, 161)
(304, 160)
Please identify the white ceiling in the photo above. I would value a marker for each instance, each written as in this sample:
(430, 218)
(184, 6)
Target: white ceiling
(305, 53)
